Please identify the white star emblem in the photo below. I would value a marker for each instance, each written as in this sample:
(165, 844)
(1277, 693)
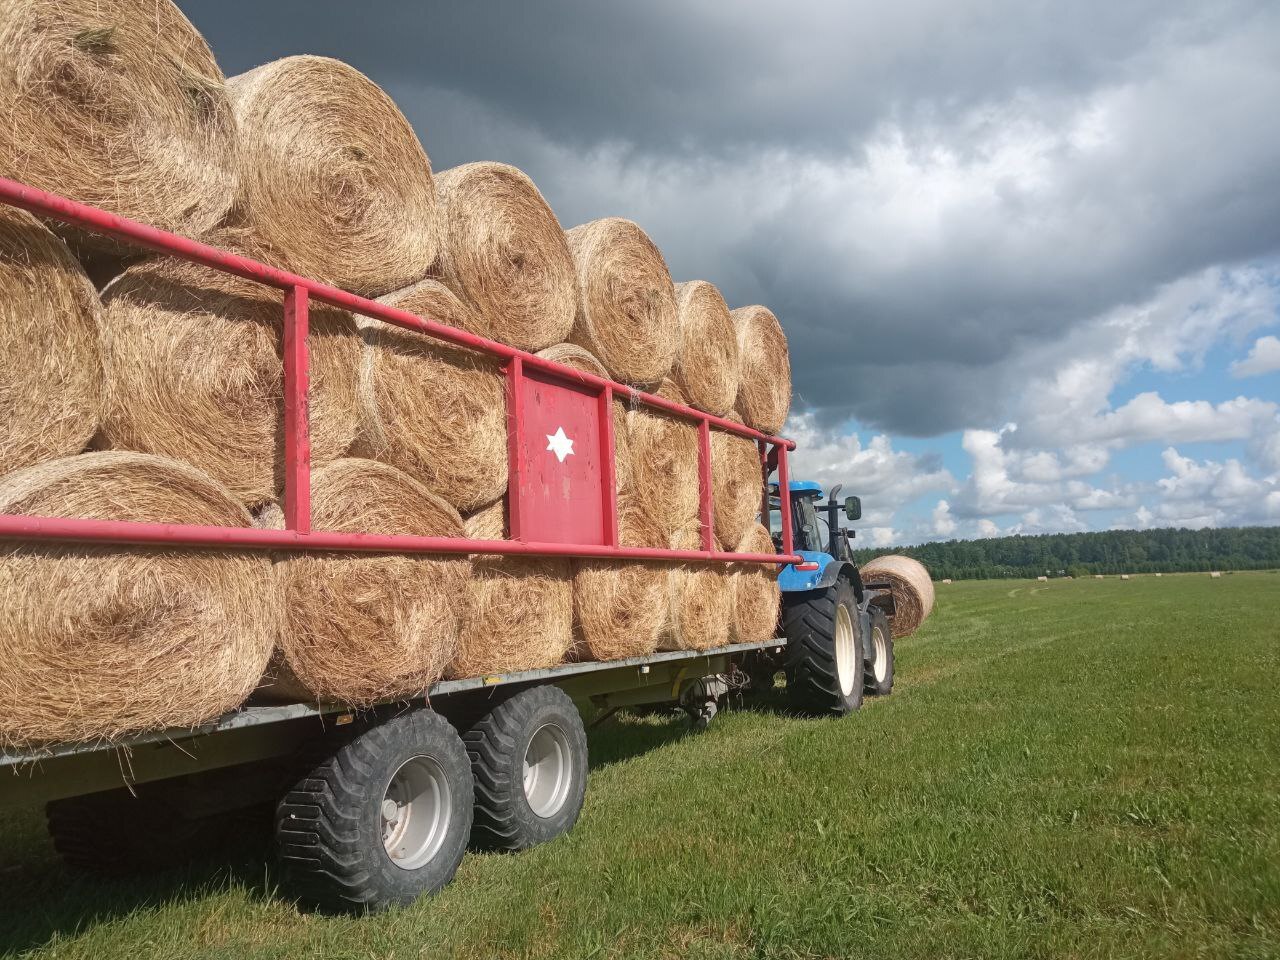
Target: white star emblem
(559, 444)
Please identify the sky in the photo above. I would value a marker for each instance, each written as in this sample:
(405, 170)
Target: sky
(1026, 253)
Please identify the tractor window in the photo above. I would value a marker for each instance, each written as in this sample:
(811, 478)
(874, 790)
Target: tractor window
(808, 537)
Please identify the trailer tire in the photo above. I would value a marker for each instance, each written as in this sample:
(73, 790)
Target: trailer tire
(382, 820)
(880, 658)
(824, 652)
(519, 804)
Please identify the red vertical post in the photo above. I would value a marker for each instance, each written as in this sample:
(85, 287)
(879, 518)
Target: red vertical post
(764, 484)
(608, 469)
(297, 429)
(515, 436)
(705, 507)
(784, 498)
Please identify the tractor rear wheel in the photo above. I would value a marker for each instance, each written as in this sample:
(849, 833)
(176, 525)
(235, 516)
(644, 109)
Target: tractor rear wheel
(824, 661)
(879, 671)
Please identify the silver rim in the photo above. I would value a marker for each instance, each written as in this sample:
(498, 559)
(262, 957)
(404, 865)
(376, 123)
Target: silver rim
(415, 812)
(846, 650)
(547, 770)
(881, 665)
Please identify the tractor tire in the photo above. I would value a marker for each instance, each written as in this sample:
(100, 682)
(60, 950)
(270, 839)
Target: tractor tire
(879, 669)
(382, 820)
(529, 759)
(824, 651)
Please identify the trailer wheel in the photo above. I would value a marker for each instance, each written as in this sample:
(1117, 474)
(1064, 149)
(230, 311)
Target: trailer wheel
(879, 669)
(824, 665)
(383, 820)
(529, 758)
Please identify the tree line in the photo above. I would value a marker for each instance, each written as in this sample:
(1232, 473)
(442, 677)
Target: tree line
(1108, 551)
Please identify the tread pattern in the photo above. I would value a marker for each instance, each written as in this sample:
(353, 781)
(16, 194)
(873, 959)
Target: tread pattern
(809, 623)
(872, 687)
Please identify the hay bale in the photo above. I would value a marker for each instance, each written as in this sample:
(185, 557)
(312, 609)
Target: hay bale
(699, 601)
(1213, 574)
(360, 628)
(194, 372)
(626, 312)
(706, 365)
(663, 451)
(572, 355)
(333, 175)
(737, 483)
(620, 606)
(96, 641)
(1042, 579)
(520, 615)
(1098, 576)
(50, 366)
(1124, 576)
(764, 384)
(435, 411)
(119, 104)
(911, 587)
(503, 251)
(947, 580)
(756, 597)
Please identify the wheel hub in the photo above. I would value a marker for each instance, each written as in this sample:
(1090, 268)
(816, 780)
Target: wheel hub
(846, 651)
(415, 812)
(548, 771)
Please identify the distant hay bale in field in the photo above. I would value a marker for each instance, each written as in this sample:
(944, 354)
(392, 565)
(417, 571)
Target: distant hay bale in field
(333, 175)
(1042, 579)
(366, 627)
(626, 312)
(764, 384)
(520, 612)
(737, 483)
(572, 355)
(755, 594)
(1159, 574)
(503, 251)
(118, 104)
(1215, 574)
(50, 365)
(706, 365)
(1098, 576)
(436, 411)
(194, 371)
(1124, 576)
(911, 586)
(948, 580)
(664, 467)
(97, 641)
(699, 600)
(620, 605)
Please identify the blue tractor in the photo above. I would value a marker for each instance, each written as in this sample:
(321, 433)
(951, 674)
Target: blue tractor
(839, 643)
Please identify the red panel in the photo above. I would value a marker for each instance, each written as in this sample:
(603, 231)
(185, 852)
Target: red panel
(557, 460)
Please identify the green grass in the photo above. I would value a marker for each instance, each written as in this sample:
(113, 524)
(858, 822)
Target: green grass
(1081, 769)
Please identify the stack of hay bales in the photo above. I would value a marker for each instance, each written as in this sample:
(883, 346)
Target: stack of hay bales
(911, 588)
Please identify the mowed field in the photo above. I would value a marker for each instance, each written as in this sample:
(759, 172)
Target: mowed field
(1079, 769)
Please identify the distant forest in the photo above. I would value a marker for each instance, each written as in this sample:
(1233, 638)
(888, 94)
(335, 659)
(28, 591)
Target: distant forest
(1110, 551)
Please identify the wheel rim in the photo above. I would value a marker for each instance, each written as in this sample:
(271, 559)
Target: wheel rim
(846, 650)
(547, 770)
(415, 812)
(881, 665)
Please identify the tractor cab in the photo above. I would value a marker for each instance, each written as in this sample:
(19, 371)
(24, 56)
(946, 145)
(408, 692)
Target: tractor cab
(817, 534)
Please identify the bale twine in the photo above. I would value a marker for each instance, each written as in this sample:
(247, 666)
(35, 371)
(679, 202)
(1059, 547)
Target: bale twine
(360, 628)
(50, 366)
(912, 590)
(737, 483)
(626, 312)
(333, 175)
(764, 385)
(706, 365)
(194, 371)
(755, 592)
(119, 104)
(572, 355)
(433, 410)
(664, 468)
(97, 642)
(503, 251)
(699, 600)
(620, 606)
(520, 615)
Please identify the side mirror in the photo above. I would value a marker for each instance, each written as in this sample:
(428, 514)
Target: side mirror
(853, 508)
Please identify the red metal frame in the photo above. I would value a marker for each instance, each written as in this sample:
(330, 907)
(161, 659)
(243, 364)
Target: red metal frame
(299, 292)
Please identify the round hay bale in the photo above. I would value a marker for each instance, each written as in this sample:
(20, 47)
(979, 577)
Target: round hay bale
(50, 365)
(119, 104)
(98, 641)
(911, 586)
(333, 175)
(572, 355)
(360, 628)
(699, 601)
(756, 596)
(433, 410)
(664, 468)
(626, 312)
(764, 384)
(194, 372)
(737, 483)
(503, 251)
(620, 606)
(520, 615)
(706, 365)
